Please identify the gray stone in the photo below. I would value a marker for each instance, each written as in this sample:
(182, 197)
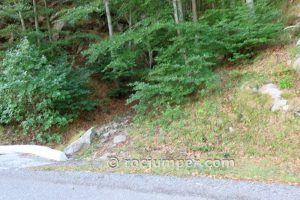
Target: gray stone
(84, 141)
(298, 42)
(272, 90)
(297, 113)
(120, 139)
(296, 65)
(280, 105)
(278, 102)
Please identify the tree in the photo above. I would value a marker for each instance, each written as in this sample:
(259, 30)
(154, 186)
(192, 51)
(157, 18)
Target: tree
(108, 16)
(36, 21)
(250, 4)
(194, 8)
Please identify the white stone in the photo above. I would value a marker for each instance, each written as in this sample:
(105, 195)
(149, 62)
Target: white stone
(41, 151)
(280, 105)
(278, 102)
(272, 90)
(298, 43)
(119, 139)
(84, 141)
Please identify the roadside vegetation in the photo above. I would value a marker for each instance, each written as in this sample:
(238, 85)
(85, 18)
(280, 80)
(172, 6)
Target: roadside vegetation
(157, 53)
(190, 70)
(231, 122)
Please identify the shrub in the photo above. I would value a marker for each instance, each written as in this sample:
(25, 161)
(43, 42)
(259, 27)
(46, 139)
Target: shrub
(38, 95)
(184, 54)
(187, 63)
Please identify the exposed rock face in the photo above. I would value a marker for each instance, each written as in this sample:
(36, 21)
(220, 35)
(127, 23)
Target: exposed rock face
(119, 139)
(278, 102)
(109, 135)
(84, 141)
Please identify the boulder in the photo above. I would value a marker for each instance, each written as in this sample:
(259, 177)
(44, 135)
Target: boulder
(272, 90)
(298, 42)
(296, 65)
(84, 141)
(280, 105)
(278, 102)
(119, 139)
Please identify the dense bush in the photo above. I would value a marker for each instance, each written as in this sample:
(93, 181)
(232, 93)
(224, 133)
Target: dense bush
(39, 95)
(159, 52)
(186, 64)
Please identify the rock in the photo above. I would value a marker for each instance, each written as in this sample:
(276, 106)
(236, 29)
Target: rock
(84, 141)
(231, 130)
(278, 102)
(119, 139)
(109, 136)
(296, 65)
(293, 26)
(297, 113)
(272, 90)
(298, 42)
(280, 105)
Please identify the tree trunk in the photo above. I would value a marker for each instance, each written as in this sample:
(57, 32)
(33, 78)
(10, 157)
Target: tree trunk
(194, 8)
(181, 17)
(36, 22)
(250, 4)
(175, 12)
(22, 21)
(130, 27)
(108, 16)
(177, 20)
(48, 21)
(195, 16)
(111, 33)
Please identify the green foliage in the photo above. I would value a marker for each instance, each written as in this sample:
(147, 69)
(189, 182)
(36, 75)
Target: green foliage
(185, 65)
(286, 82)
(239, 32)
(156, 59)
(39, 95)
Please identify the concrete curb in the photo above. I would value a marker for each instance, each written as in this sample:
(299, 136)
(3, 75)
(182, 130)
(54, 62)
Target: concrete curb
(41, 151)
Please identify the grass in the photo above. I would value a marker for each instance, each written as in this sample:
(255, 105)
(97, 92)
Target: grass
(1, 131)
(231, 121)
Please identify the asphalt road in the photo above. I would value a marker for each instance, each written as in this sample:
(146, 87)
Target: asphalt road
(23, 184)
(17, 182)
